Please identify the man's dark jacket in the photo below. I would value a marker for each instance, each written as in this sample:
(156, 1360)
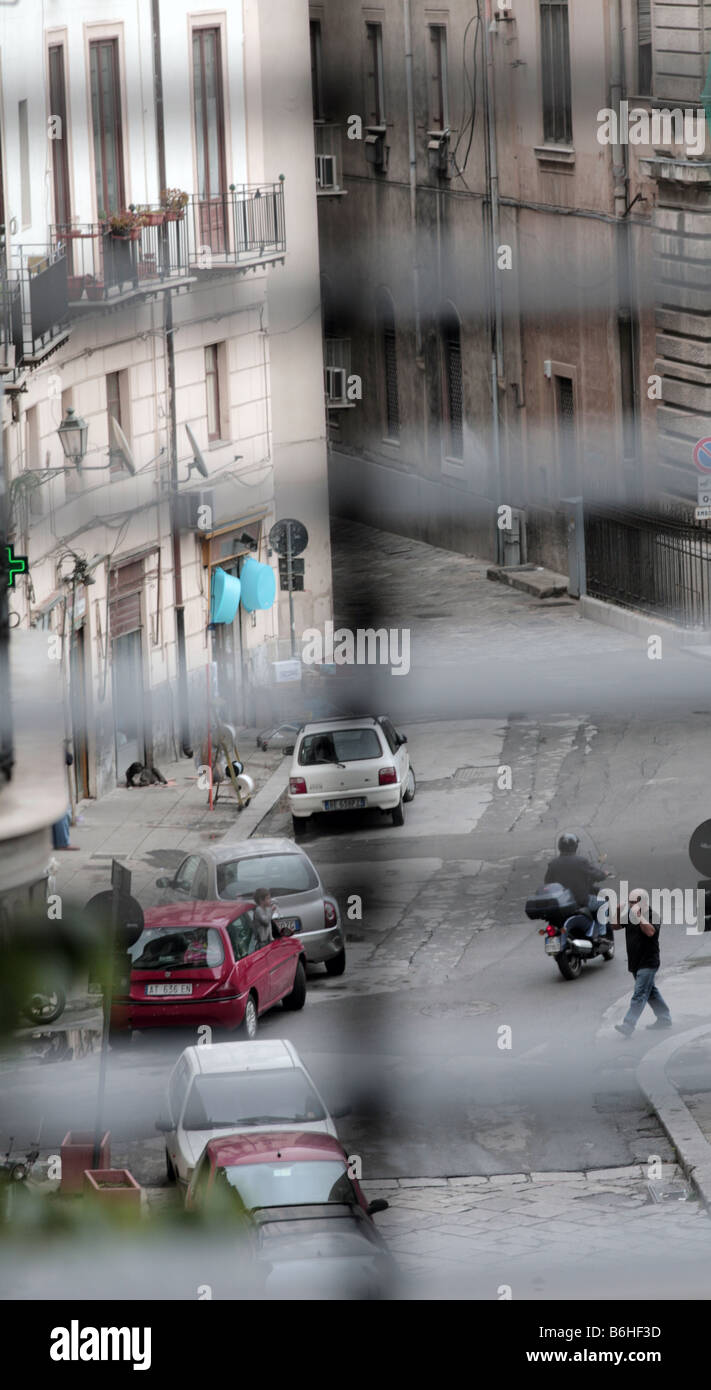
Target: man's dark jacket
(576, 873)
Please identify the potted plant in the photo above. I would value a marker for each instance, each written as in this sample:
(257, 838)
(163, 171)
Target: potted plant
(151, 217)
(174, 203)
(94, 287)
(126, 225)
(77, 1154)
(115, 1186)
(75, 286)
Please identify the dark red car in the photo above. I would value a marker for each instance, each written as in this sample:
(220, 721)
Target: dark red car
(203, 963)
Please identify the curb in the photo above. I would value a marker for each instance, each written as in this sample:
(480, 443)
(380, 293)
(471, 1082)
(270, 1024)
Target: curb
(530, 579)
(251, 817)
(690, 1144)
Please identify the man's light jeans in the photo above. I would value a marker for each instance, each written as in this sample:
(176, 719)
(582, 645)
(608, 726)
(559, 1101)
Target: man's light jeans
(646, 992)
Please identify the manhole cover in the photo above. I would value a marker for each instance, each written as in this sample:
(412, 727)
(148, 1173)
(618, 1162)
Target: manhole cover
(476, 1006)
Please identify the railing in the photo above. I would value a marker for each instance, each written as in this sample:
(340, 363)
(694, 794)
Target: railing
(244, 225)
(10, 322)
(38, 306)
(653, 562)
(327, 143)
(103, 265)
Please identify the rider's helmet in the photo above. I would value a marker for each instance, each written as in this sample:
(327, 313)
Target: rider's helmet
(568, 843)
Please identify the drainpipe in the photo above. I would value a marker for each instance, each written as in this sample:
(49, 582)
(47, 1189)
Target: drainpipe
(494, 239)
(412, 146)
(182, 683)
(626, 323)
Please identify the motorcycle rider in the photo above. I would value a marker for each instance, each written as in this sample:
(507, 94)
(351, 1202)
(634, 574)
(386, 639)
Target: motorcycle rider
(576, 873)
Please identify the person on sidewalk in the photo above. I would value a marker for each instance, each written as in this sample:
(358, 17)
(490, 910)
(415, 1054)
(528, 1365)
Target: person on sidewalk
(643, 961)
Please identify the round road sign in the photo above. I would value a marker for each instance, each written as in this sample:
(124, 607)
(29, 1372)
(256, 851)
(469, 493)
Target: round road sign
(702, 455)
(299, 534)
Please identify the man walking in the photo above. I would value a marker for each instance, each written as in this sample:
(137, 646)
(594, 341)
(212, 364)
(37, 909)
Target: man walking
(642, 939)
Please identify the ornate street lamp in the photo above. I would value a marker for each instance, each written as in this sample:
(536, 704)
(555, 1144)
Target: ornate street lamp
(73, 433)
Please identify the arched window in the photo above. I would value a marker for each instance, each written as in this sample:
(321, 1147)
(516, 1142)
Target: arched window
(387, 344)
(452, 392)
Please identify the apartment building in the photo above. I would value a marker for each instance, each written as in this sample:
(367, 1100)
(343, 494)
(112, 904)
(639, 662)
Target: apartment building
(159, 280)
(521, 294)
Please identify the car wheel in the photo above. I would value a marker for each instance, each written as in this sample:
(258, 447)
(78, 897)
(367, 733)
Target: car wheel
(411, 786)
(249, 1024)
(297, 998)
(170, 1172)
(399, 814)
(337, 964)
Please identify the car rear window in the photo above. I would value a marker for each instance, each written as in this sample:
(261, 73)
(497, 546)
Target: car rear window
(177, 948)
(340, 746)
(282, 1184)
(280, 873)
(230, 1099)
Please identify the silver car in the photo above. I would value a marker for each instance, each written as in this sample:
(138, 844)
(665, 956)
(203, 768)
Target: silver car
(224, 873)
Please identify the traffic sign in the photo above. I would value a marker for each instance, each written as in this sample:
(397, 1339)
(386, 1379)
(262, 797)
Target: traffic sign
(278, 536)
(702, 513)
(702, 455)
(704, 490)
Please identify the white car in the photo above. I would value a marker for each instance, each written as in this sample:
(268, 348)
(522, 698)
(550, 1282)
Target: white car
(350, 765)
(231, 1088)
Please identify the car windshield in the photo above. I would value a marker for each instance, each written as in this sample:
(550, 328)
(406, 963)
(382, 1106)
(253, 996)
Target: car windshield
(177, 948)
(340, 746)
(277, 1184)
(228, 1100)
(280, 873)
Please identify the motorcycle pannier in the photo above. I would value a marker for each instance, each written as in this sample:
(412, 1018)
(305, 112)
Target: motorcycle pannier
(552, 898)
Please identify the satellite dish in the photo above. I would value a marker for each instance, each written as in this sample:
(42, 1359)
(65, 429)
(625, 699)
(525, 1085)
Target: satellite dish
(122, 446)
(198, 460)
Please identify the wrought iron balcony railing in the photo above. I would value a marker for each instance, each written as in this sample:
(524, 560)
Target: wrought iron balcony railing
(33, 306)
(241, 227)
(104, 264)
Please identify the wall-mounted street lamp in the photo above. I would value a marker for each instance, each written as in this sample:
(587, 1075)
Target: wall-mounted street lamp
(73, 433)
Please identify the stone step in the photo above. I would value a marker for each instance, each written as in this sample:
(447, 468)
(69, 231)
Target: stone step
(539, 582)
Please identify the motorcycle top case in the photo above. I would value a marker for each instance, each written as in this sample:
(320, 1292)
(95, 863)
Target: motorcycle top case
(553, 897)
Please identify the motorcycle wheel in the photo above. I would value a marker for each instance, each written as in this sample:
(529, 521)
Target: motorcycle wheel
(569, 965)
(45, 1008)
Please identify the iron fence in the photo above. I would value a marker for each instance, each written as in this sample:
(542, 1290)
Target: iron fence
(655, 562)
(242, 225)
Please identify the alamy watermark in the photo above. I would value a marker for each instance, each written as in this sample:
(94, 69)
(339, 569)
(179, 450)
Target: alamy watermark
(671, 907)
(366, 646)
(675, 126)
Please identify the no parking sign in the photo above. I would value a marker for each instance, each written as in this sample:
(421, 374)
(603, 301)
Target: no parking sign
(702, 455)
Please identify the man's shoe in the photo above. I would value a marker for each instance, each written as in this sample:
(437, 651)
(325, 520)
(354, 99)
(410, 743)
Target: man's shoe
(659, 1025)
(626, 1032)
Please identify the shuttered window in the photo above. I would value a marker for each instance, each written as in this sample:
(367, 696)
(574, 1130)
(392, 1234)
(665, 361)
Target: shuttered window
(125, 586)
(388, 349)
(644, 47)
(555, 75)
(453, 402)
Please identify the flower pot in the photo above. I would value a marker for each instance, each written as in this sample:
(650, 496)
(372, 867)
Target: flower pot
(134, 234)
(95, 292)
(77, 1154)
(153, 219)
(75, 286)
(113, 1186)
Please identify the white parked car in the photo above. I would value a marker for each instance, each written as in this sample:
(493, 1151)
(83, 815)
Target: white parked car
(232, 1088)
(350, 765)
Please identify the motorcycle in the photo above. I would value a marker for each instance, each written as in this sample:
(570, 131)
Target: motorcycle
(573, 935)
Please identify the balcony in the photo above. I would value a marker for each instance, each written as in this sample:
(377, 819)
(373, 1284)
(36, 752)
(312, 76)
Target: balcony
(104, 267)
(243, 227)
(33, 307)
(327, 144)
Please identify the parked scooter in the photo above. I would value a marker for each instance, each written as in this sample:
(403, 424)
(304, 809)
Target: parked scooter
(573, 935)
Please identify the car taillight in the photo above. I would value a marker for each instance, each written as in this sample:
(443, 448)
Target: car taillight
(386, 775)
(551, 931)
(297, 786)
(330, 916)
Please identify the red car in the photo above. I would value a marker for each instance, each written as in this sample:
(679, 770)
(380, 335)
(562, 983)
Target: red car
(203, 963)
(279, 1169)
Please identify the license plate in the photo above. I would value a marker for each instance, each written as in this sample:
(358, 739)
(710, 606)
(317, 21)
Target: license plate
(293, 922)
(552, 946)
(169, 989)
(346, 803)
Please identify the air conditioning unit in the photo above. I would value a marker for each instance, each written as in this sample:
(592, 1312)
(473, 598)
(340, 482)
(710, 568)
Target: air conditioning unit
(336, 382)
(187, 505)
(438, 152)
(326, 172)
(376, 151)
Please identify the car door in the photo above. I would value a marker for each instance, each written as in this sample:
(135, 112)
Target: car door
(254, 960)
(282, 961)
(180, 890)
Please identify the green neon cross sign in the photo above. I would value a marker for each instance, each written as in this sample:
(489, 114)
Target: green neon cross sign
(16, 564)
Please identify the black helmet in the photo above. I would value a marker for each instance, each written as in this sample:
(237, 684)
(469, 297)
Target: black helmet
(568, 843)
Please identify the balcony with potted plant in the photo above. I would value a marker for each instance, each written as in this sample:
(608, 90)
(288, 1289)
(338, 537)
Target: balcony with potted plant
(242, 227)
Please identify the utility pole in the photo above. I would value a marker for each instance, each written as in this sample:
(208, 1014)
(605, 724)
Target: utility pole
(168, 333)
(7, 756)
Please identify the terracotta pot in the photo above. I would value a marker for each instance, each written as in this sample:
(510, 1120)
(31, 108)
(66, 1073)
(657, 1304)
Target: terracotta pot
(77, 1154)
(134, 234)
(95, 292)
(153, 219)
(113, 1185)
(174, 214)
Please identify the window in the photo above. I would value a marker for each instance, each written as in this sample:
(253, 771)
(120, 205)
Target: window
(242, 935)
(644, 47)
(555, 60)
(229, 1100)
(283, 1184)
(33, 438)
(177, 948)
(209, 136)
(106, 125)
(60, 160)
(375, 83)
(388, 349)
(452, 387)
(212, 387)
(201, 881)
(116, 401)
(177, 1088)
(316, 69)
(280, 873)
(186, 873)
(439, 97)
(567, 434)
(24, 134)
(341, 746)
